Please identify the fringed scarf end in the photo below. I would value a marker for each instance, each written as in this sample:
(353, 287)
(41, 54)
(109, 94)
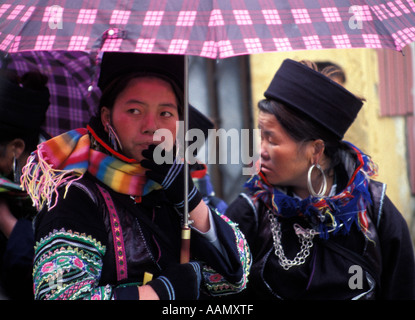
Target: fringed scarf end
(41, 181)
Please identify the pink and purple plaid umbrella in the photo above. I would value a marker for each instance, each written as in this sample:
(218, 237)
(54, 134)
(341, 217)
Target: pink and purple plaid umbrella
(72, 98)
(206, 28)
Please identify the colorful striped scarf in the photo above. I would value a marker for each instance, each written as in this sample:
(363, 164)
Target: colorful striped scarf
(328, 214)
(65, 158)
(11, 188)
(7, 185)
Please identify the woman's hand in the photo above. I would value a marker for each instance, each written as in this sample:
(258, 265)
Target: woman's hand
(7, 219)
(146, 292)
(177, 282)
(171, 177)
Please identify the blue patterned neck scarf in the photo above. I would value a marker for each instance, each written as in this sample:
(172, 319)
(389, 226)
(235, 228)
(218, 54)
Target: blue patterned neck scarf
(328, 214)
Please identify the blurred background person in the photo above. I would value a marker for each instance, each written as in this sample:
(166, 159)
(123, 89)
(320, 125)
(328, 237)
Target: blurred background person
(23, 104)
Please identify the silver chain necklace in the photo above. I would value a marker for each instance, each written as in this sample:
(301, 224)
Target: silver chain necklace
(305, 237)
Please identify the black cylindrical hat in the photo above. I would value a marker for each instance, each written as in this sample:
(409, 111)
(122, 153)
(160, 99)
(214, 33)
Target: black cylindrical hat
(115, 64)
(122, 64)
(315, 95)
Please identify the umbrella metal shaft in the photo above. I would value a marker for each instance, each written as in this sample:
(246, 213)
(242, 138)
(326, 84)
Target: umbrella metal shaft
(185, 237)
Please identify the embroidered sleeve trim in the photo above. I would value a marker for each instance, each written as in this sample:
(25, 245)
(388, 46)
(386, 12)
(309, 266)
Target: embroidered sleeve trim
(67, 266)
(218, 285)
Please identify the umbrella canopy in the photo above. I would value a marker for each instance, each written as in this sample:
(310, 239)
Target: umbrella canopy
(212, 29)
(62, 39)
(73, 100)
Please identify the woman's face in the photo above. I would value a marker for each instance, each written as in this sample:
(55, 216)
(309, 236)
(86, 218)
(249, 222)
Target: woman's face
(146, 105)
(10, 152)
(284, 161)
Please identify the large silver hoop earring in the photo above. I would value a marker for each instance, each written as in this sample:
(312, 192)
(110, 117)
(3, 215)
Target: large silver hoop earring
(16, 171)
(323, 187)
(113, 138)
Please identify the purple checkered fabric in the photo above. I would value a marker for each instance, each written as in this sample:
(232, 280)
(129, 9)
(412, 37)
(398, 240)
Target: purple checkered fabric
(70, 74)
(212, 29)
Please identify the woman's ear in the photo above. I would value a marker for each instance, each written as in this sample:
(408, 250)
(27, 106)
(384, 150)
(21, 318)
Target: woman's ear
(105, 117)
(16, 147)
(317, 150)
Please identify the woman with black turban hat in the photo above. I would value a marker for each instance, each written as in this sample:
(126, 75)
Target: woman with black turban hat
(23, 105)
(318, 226)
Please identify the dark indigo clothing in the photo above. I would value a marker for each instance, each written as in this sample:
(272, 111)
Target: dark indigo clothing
(16, 261)
(327, 271)
(151, 231)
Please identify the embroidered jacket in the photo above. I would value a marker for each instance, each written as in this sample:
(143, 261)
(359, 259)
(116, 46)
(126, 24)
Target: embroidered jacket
(80, 254)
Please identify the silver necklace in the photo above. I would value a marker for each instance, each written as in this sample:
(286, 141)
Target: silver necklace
(305, 237)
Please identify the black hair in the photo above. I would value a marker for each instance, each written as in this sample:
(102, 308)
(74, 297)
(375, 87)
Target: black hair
(32, 80)
(331, 70)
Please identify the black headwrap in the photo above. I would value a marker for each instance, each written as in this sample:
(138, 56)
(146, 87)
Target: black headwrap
(121, 64)
(315, 95)
(172, 67)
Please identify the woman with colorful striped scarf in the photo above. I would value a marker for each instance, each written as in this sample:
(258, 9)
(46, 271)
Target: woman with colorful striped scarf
(317, 225)
(110, 217)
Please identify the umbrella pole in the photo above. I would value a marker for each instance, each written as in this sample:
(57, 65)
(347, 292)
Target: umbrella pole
(185, 234)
